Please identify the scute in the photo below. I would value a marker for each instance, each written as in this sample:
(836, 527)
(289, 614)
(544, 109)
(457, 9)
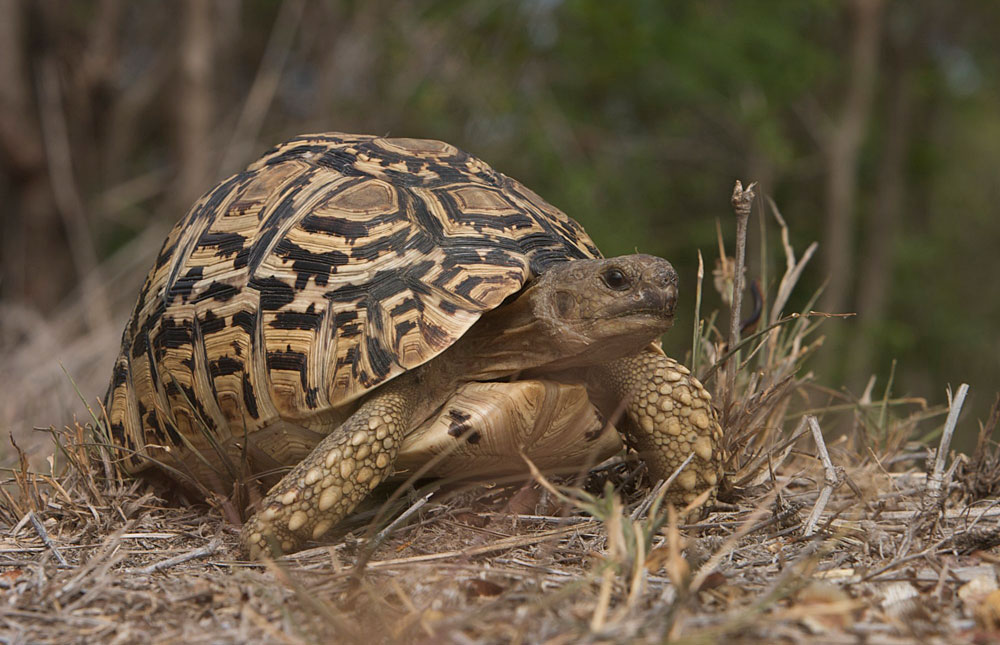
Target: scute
(418, 146)
(331, 265)
(365, 198)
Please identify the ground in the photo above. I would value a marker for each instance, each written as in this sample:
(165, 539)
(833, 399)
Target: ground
(87, 556)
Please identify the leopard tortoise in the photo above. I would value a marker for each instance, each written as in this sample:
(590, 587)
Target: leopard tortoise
(352, 305)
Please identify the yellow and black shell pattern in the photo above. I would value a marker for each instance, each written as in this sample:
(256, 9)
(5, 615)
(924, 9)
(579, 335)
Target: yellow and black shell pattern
(329, 266)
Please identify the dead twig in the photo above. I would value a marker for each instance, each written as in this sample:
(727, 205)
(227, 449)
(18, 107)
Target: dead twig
(265, 85)
(381, 535)
(42, 533)
(793, 268)
(935, 483)
(833, 477)
(742, 200)
(209, 549)
(67, 198)
(500, 545)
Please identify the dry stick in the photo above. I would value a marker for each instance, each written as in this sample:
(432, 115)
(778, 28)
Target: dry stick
(58, 154)
(831, 481)
(471, 552)
(936, 479)
(200, 552)
(265, 85)
(42, 533)
(381, 535)
(953, 514)
(741, 200)
(904, 559)
(513, 542)
(21, 524)
(935, 491)
(985, 514)
(551, 519)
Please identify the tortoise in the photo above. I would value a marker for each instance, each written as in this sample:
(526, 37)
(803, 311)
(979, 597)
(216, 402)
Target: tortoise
(350, 304)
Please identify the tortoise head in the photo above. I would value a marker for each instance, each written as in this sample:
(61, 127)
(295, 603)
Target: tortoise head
(606, 308)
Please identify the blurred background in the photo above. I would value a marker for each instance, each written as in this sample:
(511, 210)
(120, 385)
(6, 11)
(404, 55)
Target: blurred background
(873, 124)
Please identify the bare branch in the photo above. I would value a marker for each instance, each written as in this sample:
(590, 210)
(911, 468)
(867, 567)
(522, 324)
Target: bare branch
(59, 155)
(265, 85)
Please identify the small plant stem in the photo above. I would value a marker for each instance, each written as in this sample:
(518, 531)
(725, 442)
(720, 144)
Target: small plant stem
(935, 481)
(742, 200)
(603, 600)
(696, 333)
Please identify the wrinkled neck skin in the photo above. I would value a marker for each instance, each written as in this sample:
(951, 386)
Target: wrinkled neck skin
(505, 341)
(531, 334)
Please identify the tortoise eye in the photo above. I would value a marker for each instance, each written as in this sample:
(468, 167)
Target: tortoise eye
(615, 279)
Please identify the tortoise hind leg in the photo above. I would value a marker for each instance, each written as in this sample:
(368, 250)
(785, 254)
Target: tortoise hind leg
(339, 472)
(668, 415)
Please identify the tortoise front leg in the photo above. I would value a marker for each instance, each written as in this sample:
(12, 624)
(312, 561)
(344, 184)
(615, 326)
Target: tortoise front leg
(340, 472)
(668, 415)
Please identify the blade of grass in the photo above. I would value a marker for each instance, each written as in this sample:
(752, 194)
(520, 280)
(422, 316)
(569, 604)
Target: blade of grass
(696, 330)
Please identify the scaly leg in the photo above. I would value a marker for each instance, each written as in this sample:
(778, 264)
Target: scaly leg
(340, 472)
(668, 415)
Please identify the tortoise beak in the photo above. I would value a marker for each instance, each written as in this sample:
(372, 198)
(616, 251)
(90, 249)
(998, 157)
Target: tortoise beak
(659, 289)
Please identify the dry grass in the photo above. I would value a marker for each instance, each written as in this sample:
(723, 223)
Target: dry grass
(858, 537)
(88, 558)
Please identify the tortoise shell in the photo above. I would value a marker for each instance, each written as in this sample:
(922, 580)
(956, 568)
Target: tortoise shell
(331, 265)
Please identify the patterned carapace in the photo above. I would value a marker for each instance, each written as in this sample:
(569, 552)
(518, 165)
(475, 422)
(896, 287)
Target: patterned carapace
(331, 265)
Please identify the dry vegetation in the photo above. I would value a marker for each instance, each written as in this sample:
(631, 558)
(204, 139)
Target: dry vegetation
(864, 537)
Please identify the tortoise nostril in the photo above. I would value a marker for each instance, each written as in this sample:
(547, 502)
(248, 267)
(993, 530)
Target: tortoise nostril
(662, 275)
(658, 297)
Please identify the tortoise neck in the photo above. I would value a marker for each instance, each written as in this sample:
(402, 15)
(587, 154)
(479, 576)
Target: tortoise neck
(505, 341)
